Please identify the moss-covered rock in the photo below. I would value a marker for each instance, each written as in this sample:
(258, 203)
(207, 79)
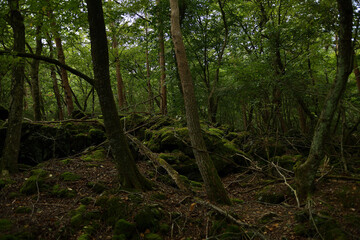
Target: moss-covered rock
(97, 135)
(69, 176)
(152, 236)
(271, 194)
(5, 225)
(148, 218)
(123, 227)
(36, 182)
(23, 209)
(97, 187)
(97, 155)
(286, 161)
(60, 192)
(112, 209)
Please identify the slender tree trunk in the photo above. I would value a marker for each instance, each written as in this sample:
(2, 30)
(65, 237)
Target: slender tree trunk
(120, 83)
(163, 91)
(150, 92)
(306, 172)
(213, 185)
(60, 112)
(35, 88)
(13, 133)
(129, 174)
(357, 73)
(61, 58)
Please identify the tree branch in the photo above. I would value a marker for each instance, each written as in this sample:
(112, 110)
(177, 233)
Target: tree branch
(50, 60)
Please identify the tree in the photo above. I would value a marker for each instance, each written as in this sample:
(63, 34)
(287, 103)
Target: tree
(305, 173)
(13, 133)
(163, 94)
(129, 175)
(213, 185)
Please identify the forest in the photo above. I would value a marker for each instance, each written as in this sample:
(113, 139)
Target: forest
(179, 119)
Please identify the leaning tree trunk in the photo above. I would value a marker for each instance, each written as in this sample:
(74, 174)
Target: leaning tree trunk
(213, 185)
(13, 133)
(306, 172)
(129, 174)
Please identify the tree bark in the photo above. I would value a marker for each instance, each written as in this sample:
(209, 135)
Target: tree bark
(163, 91)
(35, 88)
(213, 185)
(64, 75)
(120, 83)
(129, 174)
(306, 172)
(13, 133)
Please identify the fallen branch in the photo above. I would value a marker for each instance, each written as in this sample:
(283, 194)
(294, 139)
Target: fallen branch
(159, 161)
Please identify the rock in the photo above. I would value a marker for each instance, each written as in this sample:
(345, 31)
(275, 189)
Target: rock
(271, 194)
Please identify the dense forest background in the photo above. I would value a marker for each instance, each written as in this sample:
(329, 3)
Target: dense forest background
(276, 75)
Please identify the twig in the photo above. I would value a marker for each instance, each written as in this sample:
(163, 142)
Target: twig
(287, 184)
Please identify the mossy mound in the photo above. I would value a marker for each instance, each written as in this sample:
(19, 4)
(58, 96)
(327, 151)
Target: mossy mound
(60, 192)
(349, 196)
(272, 194)
(286, 161)
(41, 142)
(112, 209)
(220, 229)
(175, 147)
(309, 226)
(36, 182)
(69, 176)
(97, 187)
(123, 227)
(148, 218)
(97, 155)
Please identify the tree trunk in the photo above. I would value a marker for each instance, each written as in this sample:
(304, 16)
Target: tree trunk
(357, 73)
(163, 91)
(64, 75)
(129, 174)
(35, 88)
(13, 133)
(306, 172)
(119, 79)
(150, 92)
(213, 185)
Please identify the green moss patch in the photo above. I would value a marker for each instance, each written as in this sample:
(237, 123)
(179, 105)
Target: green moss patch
(57, 191)
(5, 225)
(36, 182)
(97, 155)
(148, 218)
(69, 176)
(23, 209)
(97, 187)
(112, 209)
(123, 227)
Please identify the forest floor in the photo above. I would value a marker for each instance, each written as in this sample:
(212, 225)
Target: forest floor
(50, 212)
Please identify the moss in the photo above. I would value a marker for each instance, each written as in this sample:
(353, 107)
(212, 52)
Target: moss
(97, 155)
(97, 135)
(237, 200)
(97, 187)
(112, 208)
(124, 227)
(152, 236)
(87, 200)
(5, 225)
(69, 176)
(286, 161)
(216, 132)
(3, 183)
(35, 183)
(148, 218)
(271, 194)
(67, 161)
(136, 198)
(23, 209)
(164, 228)
(62, 192)
(84, 236)
(265, 219)
(349, 196)
(158, 196)
(119, 237)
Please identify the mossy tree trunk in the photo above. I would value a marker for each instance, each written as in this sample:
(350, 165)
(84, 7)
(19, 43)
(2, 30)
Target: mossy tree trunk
(13, 133)
(306, 172)
(163, 90)
(129, 174)
(213, 185)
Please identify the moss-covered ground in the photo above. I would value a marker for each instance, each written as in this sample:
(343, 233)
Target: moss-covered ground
(79, 197)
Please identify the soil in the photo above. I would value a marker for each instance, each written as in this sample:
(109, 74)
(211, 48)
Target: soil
(49, 216)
